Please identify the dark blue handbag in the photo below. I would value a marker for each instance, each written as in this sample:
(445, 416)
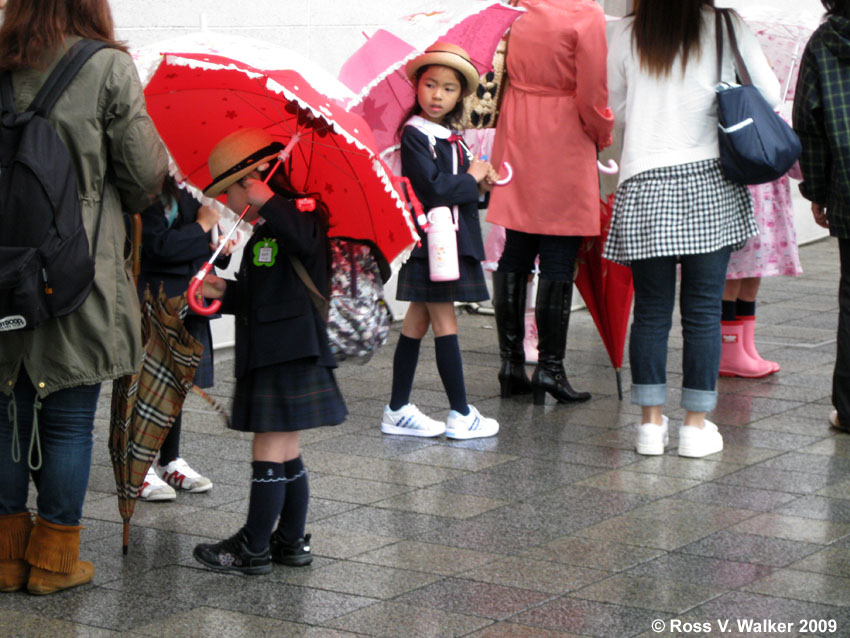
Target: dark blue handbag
(756, 144)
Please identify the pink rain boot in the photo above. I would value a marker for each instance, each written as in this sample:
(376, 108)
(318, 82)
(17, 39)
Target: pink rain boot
(750, 344)
(529, 342)
(734, 360)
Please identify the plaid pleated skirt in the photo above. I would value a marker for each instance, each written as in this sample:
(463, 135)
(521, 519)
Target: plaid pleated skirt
(414, 282)
(286, 397)
(687, 209)
(199, 328)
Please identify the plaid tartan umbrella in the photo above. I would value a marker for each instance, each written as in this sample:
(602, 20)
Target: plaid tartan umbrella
(145, 405)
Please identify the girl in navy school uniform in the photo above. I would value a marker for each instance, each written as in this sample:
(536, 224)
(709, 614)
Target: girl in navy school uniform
(442, 173)
(284, 366)
(176, 241)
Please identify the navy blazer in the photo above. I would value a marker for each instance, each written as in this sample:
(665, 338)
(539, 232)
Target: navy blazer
(435, 185)
(276, 320)
(173, 254)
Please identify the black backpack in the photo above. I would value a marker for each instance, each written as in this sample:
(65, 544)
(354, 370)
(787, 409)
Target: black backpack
(46, 269)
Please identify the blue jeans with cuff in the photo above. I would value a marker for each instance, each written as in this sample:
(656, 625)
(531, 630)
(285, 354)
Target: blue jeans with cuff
(701, 292)
(64, 441)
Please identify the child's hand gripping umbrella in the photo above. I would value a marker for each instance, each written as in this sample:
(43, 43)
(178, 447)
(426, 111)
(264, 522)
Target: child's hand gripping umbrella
(195, 299)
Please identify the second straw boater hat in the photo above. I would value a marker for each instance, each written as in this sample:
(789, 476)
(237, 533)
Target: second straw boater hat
(237, 155)
(450, 55)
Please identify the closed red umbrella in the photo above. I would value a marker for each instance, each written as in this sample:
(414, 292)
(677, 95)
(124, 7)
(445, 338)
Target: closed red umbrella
(607, 290)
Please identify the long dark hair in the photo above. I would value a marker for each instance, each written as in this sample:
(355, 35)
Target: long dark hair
(665, 28)
(837, 7)
(32, 28)
(452, 118)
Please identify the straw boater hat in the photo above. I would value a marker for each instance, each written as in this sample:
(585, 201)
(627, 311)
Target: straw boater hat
(446, 54)
(237, 155)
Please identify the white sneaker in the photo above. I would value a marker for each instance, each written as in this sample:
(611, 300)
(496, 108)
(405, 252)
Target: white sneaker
(180, 476)
(698, 442)
(155, 489)
(651, 438)
(833, 419)
(408, 420)
(471, 426)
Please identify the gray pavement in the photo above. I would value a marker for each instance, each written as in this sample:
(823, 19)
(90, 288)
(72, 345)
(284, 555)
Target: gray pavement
(555, 528)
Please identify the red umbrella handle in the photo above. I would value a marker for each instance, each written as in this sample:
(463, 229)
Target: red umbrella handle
(196, 304)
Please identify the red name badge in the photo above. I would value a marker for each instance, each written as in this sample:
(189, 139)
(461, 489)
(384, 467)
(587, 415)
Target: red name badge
(305, 204)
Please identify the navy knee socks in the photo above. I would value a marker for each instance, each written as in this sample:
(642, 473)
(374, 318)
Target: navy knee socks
(293, 514)
(404, 368)
(450, 367)
(268, 491)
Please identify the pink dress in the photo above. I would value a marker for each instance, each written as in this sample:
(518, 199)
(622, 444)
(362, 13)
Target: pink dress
(774, 250)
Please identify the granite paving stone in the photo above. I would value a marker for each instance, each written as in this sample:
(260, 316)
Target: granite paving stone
(589, 618)
(537, 575)
(645, 592)
(832, 560)
(699, 570)
(391, 620)
(803, 585)
(597, 554)
(753, 548)
(426, 557)
(474, 598)
(794, 528)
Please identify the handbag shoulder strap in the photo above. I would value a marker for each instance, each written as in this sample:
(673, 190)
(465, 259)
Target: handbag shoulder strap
(316, 297)
(741, 67)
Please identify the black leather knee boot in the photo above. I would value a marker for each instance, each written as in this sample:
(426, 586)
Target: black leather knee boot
(509, 290)
(553, 319)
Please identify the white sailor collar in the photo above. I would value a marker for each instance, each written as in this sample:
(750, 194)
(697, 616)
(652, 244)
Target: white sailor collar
(432, 129)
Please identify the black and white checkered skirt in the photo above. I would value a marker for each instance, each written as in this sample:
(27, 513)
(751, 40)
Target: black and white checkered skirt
(290, 396)
(414, 282)
(687, 209)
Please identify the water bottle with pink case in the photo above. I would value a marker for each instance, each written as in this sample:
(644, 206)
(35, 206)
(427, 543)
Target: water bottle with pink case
(442, 244)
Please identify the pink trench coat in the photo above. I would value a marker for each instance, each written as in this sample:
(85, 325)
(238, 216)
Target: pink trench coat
(554, 117)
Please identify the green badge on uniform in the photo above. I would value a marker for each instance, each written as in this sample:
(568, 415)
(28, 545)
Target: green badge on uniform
(265, 252)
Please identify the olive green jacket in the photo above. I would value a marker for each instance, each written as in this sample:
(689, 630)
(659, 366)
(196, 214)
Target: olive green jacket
(101, 117)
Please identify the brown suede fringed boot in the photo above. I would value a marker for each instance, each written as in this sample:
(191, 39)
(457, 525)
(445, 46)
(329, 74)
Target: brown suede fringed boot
(14, 535)
(53, 554)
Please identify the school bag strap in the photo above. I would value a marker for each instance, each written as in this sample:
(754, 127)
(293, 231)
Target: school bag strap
(318, 299)
(740, 66)
(50, 92)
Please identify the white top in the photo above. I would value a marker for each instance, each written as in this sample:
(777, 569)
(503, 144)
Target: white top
(671, 120)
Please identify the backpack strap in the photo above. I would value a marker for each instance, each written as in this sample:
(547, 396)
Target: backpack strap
(62, 75)
(318, 299)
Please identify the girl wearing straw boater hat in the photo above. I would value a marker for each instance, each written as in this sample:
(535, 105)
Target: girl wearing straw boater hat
(284, 366)
(442, 172)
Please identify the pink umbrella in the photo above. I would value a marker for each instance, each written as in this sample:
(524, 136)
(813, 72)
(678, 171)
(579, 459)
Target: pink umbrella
(783, 36)
(375, 72)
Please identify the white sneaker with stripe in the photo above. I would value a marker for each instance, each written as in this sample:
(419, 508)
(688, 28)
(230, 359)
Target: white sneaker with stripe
(408, 420)
(470, 426)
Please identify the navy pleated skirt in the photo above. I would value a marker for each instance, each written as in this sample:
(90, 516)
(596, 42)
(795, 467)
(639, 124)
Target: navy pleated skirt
(286, 397)
(414, 283)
